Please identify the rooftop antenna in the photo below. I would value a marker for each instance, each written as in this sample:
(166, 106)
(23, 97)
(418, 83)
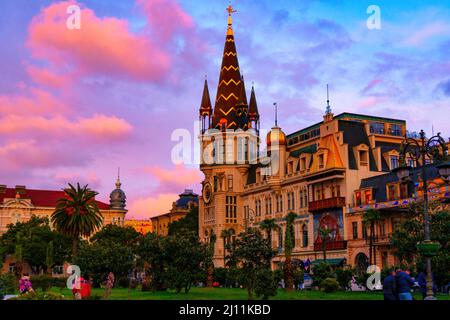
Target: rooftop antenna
(276, 113)
(328, 110)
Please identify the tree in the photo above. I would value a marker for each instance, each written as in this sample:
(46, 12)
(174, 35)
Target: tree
(114, 234)
(226, 237)
(289, 244)
(410, 231)
(209, 259)
(324, 235)
(269, 225)
(49, 258)
(77, 214)
(151, 258)
(254, 254)
(184, 255)
(97, 260)
(32, 238)
(370, 218)
(266, 284)
(188, 224)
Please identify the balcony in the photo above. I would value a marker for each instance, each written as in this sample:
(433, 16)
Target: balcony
(332, 245)
(331, 203)
(380, 239)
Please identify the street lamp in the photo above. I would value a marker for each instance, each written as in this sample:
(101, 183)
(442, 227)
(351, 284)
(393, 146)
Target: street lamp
(419, 150)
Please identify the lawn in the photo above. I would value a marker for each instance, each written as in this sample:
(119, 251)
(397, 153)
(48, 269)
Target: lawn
(234, 294)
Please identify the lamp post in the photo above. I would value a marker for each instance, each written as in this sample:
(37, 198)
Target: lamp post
(419, 150)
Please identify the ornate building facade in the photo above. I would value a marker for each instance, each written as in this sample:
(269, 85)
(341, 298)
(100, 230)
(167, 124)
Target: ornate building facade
(313, 172)
(19, 204)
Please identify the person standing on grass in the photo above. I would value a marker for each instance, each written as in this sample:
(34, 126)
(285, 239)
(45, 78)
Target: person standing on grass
(109, 284)
(404, 284)
(390, 286)
(25, 284)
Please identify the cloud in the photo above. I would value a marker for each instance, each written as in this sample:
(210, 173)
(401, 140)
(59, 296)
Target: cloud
(427, 32)
(175, 179)
(99, 127)
(142, 208)
(102, 46)
(444, 86)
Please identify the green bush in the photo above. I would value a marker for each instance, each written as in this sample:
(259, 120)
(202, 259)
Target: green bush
(59, 282)
(321, 272)
(266, 285)
(42, 282)
(8, 283)
(40, 296)
(123, 282)
(329, 285)
(344, 276)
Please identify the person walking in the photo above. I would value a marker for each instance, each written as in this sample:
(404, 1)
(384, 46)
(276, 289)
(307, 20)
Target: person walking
(390, 286)
(109, 284)
(404, 284)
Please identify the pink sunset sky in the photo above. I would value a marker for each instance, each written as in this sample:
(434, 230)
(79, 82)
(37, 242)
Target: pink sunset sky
(77, 104)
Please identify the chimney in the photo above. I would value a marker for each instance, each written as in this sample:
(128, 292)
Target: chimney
(21, 189)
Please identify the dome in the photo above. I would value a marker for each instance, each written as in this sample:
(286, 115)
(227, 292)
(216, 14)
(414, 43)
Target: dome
(276, 134)
(117, 198)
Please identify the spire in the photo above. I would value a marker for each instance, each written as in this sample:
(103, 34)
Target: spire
(276, 113)
(253, 106)
(328, 110)
(230, 83)
(205, 106)
(118, 183)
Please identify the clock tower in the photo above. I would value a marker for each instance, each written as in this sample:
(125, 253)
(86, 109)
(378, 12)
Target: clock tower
(229, 144)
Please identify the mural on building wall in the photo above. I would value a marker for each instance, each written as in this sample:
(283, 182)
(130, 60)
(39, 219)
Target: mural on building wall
(331, 220)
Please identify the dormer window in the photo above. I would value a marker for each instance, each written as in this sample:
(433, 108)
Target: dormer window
(321, 161)
(363, 158)
(303, 164)
(394, 162)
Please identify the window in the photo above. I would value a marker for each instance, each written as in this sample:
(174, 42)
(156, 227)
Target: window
(267, 205)
(303, 163)
(358, 198)
(363, 158)
(230, 182)
(280, 238)
(394, 162)
(383, 229)
(240, 149)
(377, 127)
(392, 192)
(395, 130)
(364, 232)
(403, 191)
(215, 183)
(289, 200)
(355, 229)
(230, 210)
(292, 201)
(270, 205)
(321, 164)
(411, 163)
(305, 235)
(367, 196)
(301, 198)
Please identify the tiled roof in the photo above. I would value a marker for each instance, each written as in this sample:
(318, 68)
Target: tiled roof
(41, 198)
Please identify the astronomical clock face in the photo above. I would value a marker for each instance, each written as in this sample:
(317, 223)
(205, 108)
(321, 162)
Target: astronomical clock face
(207, 193)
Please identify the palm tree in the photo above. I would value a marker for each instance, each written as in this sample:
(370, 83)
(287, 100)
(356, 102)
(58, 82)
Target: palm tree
(77, 214)
(268, 225)
(226, 237)
(370, 218)
(288, 247)
(324, 235)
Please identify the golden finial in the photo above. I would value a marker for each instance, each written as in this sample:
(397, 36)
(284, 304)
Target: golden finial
(230, 20)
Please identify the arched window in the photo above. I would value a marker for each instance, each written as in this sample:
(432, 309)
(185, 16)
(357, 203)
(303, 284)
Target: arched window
(305, 235)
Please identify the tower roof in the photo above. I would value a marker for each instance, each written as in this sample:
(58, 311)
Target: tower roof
(205, 106)
(253, 106)
(230, 83)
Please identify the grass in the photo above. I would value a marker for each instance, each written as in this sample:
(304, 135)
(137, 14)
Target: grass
(233, 294)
